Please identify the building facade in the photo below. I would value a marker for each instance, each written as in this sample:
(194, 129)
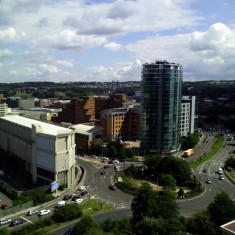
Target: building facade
(161, 102)
(187, 117)
(123, 123)
(44, 150)
(3, 109)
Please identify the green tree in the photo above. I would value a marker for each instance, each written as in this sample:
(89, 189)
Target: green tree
(84, 226)
(144, 204)
(222, 209)
(167, 182)
(66, 213)
(200, 223)
(123, 153)
(129, 153)
(112, 151)
(160, 226)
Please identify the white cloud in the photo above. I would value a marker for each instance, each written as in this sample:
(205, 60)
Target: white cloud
(113, 46)
(69, 39)
(48, 69)
(65, 63)
(7, 35)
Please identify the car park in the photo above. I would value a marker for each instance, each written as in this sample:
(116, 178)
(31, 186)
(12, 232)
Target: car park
(208, 181)
(32, 212)
(4, 221)
(16, 222)
(44, 212)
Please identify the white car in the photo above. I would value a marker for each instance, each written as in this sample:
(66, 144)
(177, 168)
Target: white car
(44, 212)
(32, 212)
(115, 161)
(208, 181)
(221, 177)
(4, 221)
(81, 187)
(79, 200)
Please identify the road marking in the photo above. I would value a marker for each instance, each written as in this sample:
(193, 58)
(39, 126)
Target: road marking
(26, 219)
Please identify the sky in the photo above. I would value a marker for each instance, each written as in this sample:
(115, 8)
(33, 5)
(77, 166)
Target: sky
(109, 40)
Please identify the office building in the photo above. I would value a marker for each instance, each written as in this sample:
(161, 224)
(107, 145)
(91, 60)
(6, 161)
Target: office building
(123, 123)
(188, 116)
(45, 151)
(161, 102)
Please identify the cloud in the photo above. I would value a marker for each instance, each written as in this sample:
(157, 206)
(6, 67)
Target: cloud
(42, 22)
(7, 35)
(65, 63)
(113, 46)
(48, 69)
(5, 53)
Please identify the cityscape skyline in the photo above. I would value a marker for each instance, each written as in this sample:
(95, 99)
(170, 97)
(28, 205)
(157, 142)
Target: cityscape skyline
(105, 40)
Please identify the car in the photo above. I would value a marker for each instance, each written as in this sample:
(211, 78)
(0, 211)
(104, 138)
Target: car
(205, 170)
(221, 177)
(67, 197)
(44, 212)
(115, 161)
(69, 232)
(75, 197)
(32, 212)
(82, 187)
(208, 181)
(79, 200)
(84, 193)
(112, 187)
(102, 173)
(106, 166)
(16, 222)
(5, 221)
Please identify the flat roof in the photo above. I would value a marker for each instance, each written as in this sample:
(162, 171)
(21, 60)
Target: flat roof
(85, 129)
(230, 226)
(47, 128)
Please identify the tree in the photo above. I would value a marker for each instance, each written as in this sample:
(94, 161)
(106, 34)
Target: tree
(112, 151)
(4, 231)
(222, 209)
(167, 182)
(143, 205)
(152, 226)
(84, 226)
(129, 153)
(200, 223)
(66, 213)
(123, 153)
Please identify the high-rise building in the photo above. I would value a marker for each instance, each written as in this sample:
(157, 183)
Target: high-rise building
(161, 103)
(188, 116)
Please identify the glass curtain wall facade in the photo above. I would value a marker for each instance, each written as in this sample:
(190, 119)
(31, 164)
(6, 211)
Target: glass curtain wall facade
(161, 103)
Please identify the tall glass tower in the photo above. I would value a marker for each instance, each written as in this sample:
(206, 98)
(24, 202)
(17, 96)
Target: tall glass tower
(161, 102)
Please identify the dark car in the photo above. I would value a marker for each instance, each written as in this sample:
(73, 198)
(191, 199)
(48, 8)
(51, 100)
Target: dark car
(106, 166)
(112, 187)
(69, 232)
(83, 193)
(74, 198)
(67, 197)
(16, 222)
(102, 173)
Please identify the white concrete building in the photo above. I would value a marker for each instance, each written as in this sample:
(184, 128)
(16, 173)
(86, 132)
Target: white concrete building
(44, 150)
(187, 117)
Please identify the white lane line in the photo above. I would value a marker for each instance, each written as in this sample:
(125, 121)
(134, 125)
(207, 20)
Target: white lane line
(26, 219)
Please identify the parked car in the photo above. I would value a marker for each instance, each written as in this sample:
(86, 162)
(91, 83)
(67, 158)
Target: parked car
(79, 200)
(67, 197)
(112, 187)
(84, 193)
(32, 212)
(4, 221)
(75, 197)
(16, 222)
(208, 181)
(102, 173)
(115, 161)
(44, 212)
(106, 166)
(69, 232)
(81, 187)
(221, 177)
